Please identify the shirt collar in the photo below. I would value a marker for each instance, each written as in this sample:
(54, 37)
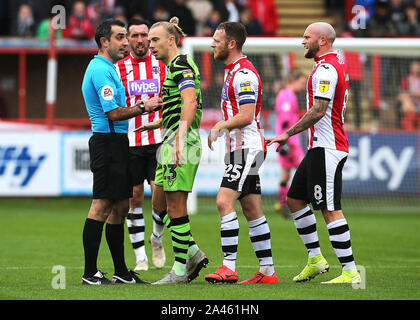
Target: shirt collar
(322, 56)
(139, 60)
(105, 59)
(172, 60)
(231, 65)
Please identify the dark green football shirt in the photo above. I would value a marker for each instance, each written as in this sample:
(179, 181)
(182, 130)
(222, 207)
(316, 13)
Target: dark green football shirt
(182, 73)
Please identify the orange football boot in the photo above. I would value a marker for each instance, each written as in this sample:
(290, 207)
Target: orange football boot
(222, 275)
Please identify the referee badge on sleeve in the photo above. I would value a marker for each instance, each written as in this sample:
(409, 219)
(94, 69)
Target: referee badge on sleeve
(324, 86)
(107, 93)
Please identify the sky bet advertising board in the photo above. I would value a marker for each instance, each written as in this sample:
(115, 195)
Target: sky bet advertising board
(382, 163)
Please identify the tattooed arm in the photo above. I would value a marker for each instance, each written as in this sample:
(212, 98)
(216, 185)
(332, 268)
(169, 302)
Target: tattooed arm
(311, 117)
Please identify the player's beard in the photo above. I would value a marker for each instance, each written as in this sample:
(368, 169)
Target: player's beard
(312, 51)
(221, 54)
(141, 51)
(115, 54)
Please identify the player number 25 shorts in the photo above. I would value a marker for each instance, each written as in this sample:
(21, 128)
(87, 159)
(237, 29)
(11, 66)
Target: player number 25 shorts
(241, 171)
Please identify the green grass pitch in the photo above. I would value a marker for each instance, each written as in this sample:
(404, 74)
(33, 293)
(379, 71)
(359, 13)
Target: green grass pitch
(38, 234)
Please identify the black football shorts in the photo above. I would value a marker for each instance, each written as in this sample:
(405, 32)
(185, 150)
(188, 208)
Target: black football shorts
(110, 165)
(318, 179)
(143, 163)
(241, 171)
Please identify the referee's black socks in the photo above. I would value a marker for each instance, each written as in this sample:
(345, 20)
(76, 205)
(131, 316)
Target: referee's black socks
(114, 234)
(92, 234)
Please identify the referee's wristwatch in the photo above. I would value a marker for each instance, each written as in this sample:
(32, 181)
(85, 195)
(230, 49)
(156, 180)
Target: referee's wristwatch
(142, 107)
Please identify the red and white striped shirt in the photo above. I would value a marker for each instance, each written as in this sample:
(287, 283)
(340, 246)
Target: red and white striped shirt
(242, 85)
(142, 79)
(329, 80)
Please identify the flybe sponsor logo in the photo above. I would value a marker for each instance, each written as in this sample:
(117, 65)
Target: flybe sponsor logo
(225, 93)
(139, 87)
(19, 164)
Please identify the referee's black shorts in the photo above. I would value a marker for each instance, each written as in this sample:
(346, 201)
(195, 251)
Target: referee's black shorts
(143, 163)
(110, 165)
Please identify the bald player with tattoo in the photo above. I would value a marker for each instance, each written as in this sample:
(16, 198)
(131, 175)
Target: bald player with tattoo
(318, 179)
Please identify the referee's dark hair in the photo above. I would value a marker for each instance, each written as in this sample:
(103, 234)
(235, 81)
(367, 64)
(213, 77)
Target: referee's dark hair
(104, 30)
(234, 31)
(137, 22)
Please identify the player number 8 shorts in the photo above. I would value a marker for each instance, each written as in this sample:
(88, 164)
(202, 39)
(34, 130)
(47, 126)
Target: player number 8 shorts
(318, 179)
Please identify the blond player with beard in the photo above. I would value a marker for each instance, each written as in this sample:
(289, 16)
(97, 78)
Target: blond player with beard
(180, 153)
